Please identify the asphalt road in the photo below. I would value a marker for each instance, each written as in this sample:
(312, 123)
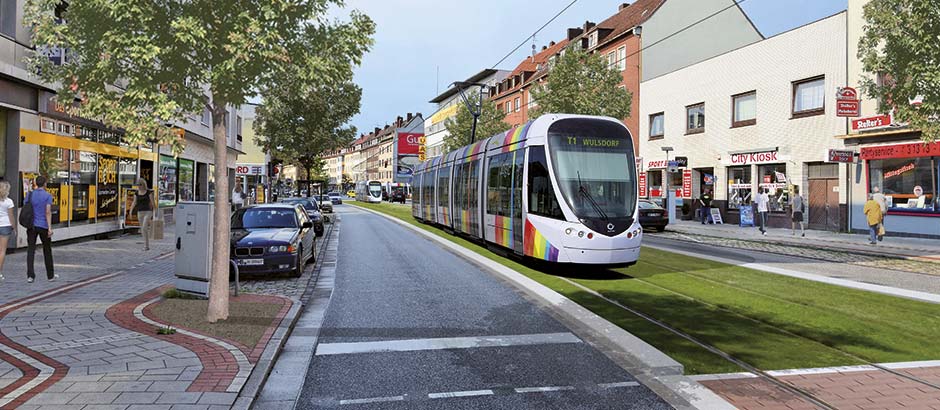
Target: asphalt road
(872, 275)
(411, 326)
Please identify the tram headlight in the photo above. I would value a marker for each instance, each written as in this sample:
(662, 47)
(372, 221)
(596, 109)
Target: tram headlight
(568, 231)
(580, 234)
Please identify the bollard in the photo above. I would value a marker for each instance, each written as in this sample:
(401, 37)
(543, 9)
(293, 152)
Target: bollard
(235, 265)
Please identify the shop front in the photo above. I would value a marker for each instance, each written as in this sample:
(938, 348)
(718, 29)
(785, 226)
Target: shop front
(253, 181)
(754, 171)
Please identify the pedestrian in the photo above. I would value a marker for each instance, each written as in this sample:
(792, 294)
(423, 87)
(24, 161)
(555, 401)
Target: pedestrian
(706, 201)
(874, 216)
(883, 203)
(7, 211)
(238, 198)
(763, 200)
(41, 202)
(143, 205)
(796, 209)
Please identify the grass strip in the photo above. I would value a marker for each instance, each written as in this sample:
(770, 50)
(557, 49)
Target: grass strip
(768, 320)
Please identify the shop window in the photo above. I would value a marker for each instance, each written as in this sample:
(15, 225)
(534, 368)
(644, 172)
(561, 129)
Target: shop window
(657, 130)
(773, 178)
(739, 186)
(186, 178)
(166, 185)
(53, 164)
(82, 174)
(655, 183)
(809, 97)
(127, 172)
(909, 184)
(695, 118)
(745, 109)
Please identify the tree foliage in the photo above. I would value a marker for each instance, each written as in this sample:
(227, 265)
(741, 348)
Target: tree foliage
(139, 65)
(490, 123)
(901, 42)
(582, 83)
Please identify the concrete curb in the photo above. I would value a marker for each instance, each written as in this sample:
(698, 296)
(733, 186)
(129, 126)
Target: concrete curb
(262, 369)
(653, 368)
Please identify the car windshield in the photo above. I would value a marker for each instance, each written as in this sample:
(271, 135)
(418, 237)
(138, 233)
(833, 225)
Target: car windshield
(648, 205)
(256, 218)
(308, 205)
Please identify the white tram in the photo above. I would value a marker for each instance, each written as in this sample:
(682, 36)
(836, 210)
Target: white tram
(369, 191)
(561, 188)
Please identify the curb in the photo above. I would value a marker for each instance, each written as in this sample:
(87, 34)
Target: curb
(659, 372)
(261, 371)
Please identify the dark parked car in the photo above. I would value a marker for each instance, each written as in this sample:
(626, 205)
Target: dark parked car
(652, 215)
(272, 238)
(313, 211)
(397, 196)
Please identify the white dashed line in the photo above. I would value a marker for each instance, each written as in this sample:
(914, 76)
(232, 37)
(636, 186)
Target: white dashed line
(373, 400)
(542, 389)
(453, 394)
(324, 349)
(618, 384)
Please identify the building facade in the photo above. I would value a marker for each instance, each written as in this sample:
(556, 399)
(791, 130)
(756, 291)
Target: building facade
(752, 119)
(448, 104)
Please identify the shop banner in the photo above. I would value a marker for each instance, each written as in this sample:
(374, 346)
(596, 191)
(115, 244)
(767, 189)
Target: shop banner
(107, 186)
(914, 150)
(130, 217)
(642, 184)
(687, 183)
(761, 157)
(410, 147)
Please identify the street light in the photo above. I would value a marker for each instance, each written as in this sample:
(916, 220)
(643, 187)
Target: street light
(669, 206)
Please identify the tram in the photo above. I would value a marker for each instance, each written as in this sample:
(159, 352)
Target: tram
(369, 191)
(561, 188)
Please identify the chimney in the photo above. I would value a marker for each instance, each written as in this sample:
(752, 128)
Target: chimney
(588, 25)
(409, 117)
(544, 48)
(623, 6)
(574, 32)
(398, 121)
(376, 131)
(551, 43)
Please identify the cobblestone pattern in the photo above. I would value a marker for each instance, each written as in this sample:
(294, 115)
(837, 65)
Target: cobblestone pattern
(905, 265)
(857, 390)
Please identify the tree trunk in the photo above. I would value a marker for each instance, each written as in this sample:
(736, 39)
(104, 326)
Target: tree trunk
(218, 280)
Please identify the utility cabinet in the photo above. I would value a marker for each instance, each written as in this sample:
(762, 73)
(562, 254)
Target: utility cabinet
(194, 223)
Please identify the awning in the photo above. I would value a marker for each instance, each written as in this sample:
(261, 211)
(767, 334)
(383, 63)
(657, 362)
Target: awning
(884, 133)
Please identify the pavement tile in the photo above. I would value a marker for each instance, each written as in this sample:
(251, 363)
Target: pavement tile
(94, 398)
(218, 398)
(180, 397)
(127, 386)
(82, 387)
(149, 407)
(168, 386)
(51, 398)
(137, 398)
(191, 407)
(106, 407)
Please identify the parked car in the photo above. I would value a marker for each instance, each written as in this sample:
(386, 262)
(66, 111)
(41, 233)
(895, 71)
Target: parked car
(397, 196)
(313, 211)
(335, 198)
(272, 238)
(326, 205)
(653, 215)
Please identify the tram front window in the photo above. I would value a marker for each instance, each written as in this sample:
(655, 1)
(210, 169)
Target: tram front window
(375, 190)
(595, 170)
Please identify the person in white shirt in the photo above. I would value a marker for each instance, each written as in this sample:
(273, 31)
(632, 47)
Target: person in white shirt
(7, 211)
(762, 201)
(238, 197)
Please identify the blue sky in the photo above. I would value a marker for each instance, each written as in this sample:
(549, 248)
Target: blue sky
(416, 39)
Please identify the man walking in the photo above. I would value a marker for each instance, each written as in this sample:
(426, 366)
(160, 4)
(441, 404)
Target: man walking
(796, 209)
(873, 215)
(883, 204)
(763, 200)
(706, 201)
(42, 227)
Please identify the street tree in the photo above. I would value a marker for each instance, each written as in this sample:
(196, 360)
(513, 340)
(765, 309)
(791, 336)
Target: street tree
(141, 65)
(300, 122)
(901, 45)
(582, 83)
(490, 123)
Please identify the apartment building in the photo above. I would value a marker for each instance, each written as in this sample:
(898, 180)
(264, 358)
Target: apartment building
(448, 104)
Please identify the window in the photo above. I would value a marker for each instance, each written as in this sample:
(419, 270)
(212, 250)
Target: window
(909, 184)
(654, 180)
(695, 116)
(809, 97)
(47, 125)
(622, 58)
(187, 173)
(499, 107)
(54, 164)
(542, 199)
(592, 40)
(508, 107)
(744, 107)
(656, 126)
(739, 186)
(611, 59)
(8, 17)
(773, 178)
(517, 103)
(166, 186)
(206, 116)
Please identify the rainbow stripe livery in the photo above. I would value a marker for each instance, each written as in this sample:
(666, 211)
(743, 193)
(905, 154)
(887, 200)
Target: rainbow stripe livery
(512, 140)
(503, 231)
(536, 246)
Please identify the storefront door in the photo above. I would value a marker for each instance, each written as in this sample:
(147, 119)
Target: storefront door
(824, 210)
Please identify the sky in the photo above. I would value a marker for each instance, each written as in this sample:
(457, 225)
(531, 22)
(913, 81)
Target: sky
(422, 46)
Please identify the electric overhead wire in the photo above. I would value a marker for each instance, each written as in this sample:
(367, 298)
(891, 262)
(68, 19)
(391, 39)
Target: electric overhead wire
(534, 33)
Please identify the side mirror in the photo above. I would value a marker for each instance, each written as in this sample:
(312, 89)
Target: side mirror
(307, 225)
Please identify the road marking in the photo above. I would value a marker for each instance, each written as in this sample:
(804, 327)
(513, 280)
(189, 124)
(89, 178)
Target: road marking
(542, 389)
(453, 394)
(410, 345)
(618, 384)
(373, 400)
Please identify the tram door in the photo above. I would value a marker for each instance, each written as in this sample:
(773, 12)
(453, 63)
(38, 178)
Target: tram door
(518, 165)
(504, 200)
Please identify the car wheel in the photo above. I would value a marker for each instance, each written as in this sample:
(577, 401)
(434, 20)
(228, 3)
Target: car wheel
(300, 263)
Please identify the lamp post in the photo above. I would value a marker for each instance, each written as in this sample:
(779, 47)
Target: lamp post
(670, 206)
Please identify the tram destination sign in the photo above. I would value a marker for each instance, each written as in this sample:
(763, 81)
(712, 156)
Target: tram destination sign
(594, 142)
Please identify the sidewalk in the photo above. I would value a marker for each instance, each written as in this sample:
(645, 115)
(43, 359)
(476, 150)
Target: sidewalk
(89, 339)
(898, 247)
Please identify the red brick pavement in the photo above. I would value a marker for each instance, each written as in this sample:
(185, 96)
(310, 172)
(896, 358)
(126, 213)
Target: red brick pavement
(854, 390)
(219, 366)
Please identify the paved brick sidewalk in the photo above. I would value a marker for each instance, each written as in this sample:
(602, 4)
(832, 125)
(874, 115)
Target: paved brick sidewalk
(63, 345)
(855, 387)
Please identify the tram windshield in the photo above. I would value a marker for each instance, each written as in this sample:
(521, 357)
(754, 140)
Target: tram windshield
(375, 189)
(594, 165)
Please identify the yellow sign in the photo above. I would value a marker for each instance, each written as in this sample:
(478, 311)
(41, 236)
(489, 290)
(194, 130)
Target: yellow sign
(444, 113)
(58, 141)
(422, 156)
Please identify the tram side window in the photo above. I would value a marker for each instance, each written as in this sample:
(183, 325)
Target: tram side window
(473, 190)
(505, 185)
(442, 186)
(430, 195)
(492, 185)
(517, 167)
(542, 199)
